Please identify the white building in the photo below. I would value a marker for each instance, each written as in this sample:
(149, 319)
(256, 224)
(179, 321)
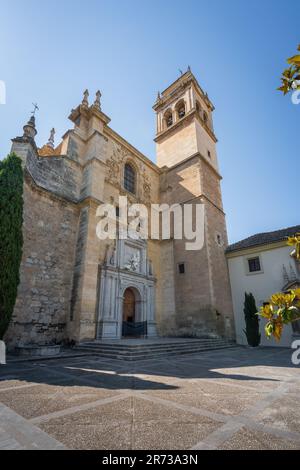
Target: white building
(263, 265)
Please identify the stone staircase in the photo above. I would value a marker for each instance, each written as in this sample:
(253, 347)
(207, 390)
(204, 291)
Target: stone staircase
(141, 349)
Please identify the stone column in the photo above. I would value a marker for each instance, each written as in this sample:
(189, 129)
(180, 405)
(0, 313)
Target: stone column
(85, 282)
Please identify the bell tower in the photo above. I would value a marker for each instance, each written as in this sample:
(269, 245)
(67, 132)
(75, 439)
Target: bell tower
(186, 153)
(184, 124)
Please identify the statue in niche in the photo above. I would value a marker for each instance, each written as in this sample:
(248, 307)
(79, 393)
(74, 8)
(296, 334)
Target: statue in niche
(150, 267)
(133, 263)
(111, 255)
(112, 260)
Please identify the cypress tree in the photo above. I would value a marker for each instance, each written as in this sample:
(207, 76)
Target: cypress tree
(252, 321)
(11, 238)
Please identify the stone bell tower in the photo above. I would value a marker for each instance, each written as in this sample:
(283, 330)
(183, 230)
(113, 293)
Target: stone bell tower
(186, 154)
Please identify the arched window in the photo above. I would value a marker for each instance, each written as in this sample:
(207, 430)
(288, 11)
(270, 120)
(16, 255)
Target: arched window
(168, 118)
(129, 178)
(180, 108)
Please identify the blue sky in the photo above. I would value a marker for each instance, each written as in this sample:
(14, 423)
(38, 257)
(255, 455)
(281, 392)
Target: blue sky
(51, 51)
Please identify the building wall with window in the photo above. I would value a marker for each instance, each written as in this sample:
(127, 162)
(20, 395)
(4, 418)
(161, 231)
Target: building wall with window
(262, 270)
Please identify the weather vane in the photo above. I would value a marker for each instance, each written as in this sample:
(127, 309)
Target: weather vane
(36, 108)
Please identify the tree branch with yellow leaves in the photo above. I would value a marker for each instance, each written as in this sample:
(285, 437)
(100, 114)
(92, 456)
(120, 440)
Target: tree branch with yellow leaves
(283, 308)
(291, 76)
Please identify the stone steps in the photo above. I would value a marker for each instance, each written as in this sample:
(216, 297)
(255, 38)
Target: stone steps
(147, 350)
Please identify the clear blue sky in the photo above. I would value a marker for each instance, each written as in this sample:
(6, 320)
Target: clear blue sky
(50, 51)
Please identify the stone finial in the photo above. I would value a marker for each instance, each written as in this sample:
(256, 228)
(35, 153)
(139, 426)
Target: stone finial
(29, 128)
(97, 102)
(50, 142)
(189, 68)
(158, 96)
(85, 101)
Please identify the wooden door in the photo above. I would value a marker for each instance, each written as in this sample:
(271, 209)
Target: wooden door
(129, 306)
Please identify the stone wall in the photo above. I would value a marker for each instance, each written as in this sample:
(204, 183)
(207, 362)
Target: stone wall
(201, 296)
(43, 302)
(59, 175)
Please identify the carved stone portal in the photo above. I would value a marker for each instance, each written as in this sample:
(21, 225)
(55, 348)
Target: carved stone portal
(130, 270)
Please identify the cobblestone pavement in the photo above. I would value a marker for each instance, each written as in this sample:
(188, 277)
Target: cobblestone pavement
(237, 398)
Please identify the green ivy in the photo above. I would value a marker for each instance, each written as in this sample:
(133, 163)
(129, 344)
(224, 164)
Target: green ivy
(11, 238)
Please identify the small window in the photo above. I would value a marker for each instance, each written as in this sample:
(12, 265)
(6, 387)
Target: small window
(180, 109)
(208, 154)
(129, 178)
(205, 117)
(254, 265)
(181, 112)
(169, 118)
(181, 268)
(117, 212)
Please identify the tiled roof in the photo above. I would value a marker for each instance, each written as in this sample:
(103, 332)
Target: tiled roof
(47, 151)
(264, 239)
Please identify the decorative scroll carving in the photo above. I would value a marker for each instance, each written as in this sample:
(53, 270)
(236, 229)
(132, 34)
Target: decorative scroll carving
(114, 164)
(114, 171)
(146, 187)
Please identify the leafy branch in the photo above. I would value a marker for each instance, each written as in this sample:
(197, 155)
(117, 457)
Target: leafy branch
(283, 308)
(291, 76)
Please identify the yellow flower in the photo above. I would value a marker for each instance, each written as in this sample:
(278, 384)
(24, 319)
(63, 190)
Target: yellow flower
(295, 241)
(292, 241)
(278, 299)
(281, 299)
(297, 293)
(267, 311)
(289, 298)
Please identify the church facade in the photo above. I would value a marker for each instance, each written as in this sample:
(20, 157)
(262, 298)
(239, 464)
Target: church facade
(76, 287)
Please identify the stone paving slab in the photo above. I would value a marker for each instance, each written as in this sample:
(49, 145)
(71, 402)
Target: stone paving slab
(232, 399)
(246, 439)
(16, 433)
(48, 398)
(146, 426)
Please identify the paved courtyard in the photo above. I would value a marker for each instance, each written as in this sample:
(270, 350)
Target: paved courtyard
(237, 398)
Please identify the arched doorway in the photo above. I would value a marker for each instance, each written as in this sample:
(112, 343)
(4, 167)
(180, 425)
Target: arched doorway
(134, 325)
(129, 306)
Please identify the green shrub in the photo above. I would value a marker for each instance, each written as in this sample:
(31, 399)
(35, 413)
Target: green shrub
(252, 321)
(11, 238)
